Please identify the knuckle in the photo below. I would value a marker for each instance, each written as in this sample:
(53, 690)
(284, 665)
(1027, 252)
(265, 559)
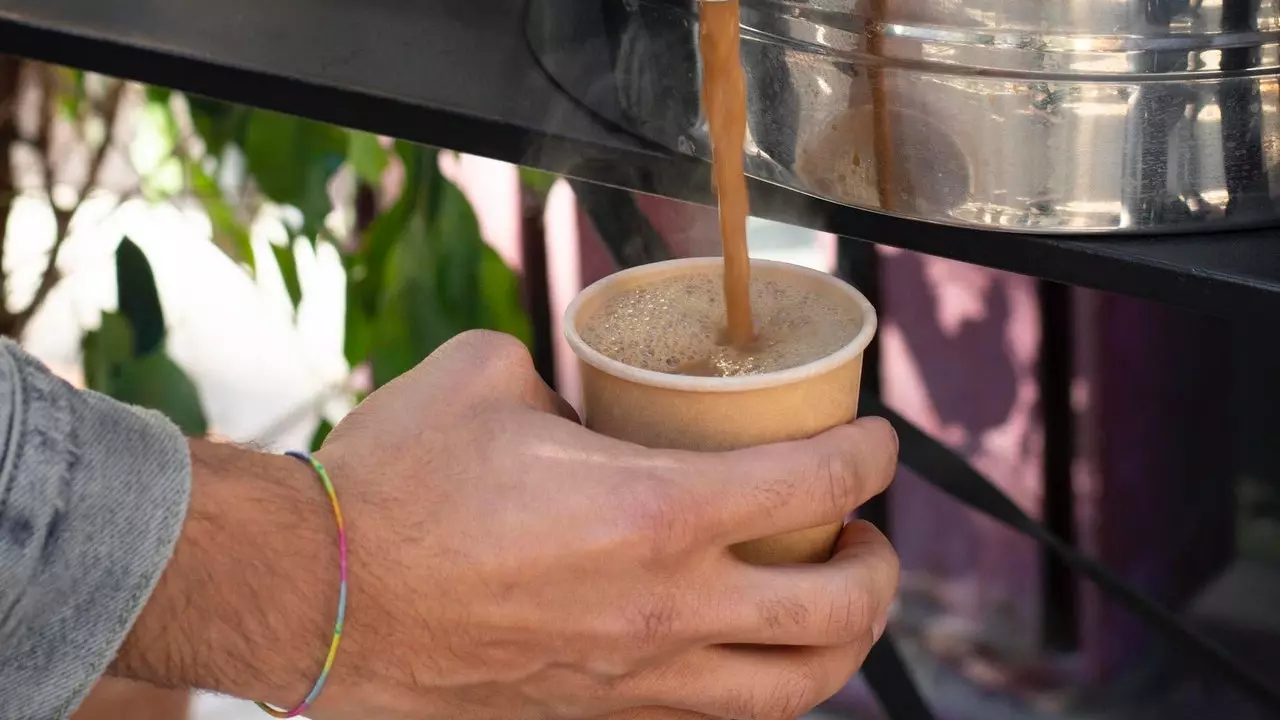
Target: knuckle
(654, 622)
(836, 480)
(659, 526)
(853, 614)
(505, 352)
(559, 693)
(781, 614)
(737, 704)
(792, 695)
(859, 461)
(494, 351)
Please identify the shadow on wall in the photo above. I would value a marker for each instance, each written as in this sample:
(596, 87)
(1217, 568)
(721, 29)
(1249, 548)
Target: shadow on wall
(960, 350)
(963, 359)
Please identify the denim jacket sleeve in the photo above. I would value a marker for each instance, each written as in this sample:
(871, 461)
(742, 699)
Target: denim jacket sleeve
(93, 494)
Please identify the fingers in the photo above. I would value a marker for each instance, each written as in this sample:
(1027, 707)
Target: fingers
(751, 683)
(733, 497)
(791, 636)
(769, 490)
(829, 604)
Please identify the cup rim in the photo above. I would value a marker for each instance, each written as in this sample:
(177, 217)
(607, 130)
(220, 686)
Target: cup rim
(739, 383)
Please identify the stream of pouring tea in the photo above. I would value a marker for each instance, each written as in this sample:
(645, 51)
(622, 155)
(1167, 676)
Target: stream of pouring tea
(724, 98)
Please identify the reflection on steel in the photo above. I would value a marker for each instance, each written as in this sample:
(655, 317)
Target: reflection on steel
(1062, 116)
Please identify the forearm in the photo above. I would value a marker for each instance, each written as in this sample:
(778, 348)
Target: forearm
(246, 605)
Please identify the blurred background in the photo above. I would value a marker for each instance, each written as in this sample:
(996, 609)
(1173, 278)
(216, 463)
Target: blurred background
(253, 275)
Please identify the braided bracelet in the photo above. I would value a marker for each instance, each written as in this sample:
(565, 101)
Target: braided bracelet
(342, 594)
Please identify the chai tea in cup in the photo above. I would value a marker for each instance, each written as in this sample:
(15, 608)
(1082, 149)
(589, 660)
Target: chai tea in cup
(658, 369)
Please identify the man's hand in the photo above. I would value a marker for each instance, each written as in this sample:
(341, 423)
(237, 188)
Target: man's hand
(508, 563)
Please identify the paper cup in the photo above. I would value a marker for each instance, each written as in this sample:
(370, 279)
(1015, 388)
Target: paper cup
(661, 410)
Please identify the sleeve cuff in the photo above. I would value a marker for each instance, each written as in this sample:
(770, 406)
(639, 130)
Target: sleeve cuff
(93, 495)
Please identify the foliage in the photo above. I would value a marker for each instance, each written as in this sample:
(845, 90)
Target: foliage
(538, 182)
(422, 275)
(417, 272)
(125, 356)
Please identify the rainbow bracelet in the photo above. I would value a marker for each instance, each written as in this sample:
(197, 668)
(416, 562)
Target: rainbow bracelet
(342, 594)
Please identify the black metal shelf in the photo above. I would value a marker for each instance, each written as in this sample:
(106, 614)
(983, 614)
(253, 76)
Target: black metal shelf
(461, 75)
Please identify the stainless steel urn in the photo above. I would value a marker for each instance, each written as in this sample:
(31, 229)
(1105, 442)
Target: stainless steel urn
(1031, 115)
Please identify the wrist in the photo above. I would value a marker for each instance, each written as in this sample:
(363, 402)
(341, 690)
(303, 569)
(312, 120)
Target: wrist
(246, 605)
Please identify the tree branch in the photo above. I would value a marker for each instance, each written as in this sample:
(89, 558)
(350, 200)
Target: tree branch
(110, 112)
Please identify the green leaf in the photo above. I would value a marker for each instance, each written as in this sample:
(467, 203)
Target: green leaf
(456, 245)
(288, 264)
(367, 275)
(322, 432)
(424, 274)
(106, 349)
(155, 381)
(152, 381)
(442, 279)
(367, 266)
(165, 181)
(502, 303)
(125, 359)
(367, 156)
(217, 122)
(414, 325)
(292, 160)
(139, 302)
(415, 319)
(538, 181)
(388, 229)
(71, 92)
(358, 333)
(229, 234)
(152, 150)
(157, 94)
(412, 319)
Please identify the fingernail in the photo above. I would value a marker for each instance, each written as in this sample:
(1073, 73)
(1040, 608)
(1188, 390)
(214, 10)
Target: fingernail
(877, 630)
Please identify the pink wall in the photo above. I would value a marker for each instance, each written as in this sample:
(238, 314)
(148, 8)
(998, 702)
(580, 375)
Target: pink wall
(493, 188)
(959, 355)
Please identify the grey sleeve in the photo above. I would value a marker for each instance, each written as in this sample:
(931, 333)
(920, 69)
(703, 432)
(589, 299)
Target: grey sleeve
(93, 494)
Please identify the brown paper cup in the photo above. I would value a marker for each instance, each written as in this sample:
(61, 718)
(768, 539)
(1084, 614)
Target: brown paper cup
(660, 410)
